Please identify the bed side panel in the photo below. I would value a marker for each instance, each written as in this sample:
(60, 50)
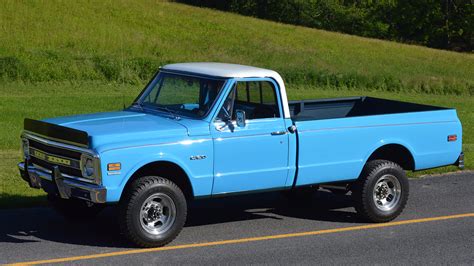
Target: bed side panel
(337, 149)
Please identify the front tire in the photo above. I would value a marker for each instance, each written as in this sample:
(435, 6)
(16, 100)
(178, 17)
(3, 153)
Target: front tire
(381, 192)
(152, 212)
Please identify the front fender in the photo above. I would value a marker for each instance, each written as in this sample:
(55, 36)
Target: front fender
(153, 159)
(200, 172)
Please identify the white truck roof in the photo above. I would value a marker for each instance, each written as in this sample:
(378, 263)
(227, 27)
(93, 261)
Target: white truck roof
(222, 70)
(233, 71)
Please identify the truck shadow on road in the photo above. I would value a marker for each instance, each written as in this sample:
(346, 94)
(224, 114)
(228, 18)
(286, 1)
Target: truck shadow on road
(44, 225)
(322, 206)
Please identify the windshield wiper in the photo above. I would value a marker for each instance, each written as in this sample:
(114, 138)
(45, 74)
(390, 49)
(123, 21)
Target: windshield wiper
(169, 111)
(137, 104)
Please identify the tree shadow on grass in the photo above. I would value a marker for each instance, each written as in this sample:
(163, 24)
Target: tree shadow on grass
(44, 224)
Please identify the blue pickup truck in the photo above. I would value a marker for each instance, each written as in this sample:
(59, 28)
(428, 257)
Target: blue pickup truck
(201, 130)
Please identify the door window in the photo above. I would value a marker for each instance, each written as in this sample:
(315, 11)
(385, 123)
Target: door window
(257, 98)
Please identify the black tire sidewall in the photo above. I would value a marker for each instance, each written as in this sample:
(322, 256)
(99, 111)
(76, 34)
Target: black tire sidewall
(370, 186)
(180, 203)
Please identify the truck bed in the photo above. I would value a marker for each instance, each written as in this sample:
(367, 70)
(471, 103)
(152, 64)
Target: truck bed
(352, 107)
(336, 136)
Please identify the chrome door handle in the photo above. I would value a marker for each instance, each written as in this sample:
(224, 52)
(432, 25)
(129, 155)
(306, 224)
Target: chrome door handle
(277, 133)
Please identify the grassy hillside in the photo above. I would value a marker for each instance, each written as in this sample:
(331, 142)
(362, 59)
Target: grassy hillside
(125, 41)
(69, 57)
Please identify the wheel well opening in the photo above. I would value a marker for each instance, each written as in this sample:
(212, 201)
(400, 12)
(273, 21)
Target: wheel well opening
(167, 170)
(395, 153)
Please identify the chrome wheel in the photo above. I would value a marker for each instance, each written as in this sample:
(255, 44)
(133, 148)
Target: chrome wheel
(157, 214)
(387, 193)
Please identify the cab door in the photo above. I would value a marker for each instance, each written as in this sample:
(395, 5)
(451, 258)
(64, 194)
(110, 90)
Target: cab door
(253, 156)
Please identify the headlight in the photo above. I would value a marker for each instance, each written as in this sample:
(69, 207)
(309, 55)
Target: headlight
(90, 168)
(26, 148)
(87, 166)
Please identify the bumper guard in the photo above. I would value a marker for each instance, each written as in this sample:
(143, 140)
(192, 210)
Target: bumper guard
(66, 188)
(460, 162)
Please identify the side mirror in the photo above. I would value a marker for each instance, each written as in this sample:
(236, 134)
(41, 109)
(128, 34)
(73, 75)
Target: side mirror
(240, 118)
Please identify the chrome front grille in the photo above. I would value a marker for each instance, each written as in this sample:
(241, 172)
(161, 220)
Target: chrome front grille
(48, 157)
(68, 170)
(76, 155)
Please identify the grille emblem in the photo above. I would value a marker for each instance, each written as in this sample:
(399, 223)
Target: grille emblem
(50, 158)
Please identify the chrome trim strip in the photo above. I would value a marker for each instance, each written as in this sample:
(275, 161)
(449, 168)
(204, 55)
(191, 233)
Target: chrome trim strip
(245, 136)
(114, 173)
(40, 172)
(55, 139)
(382, 125)
(91, 181)
(57, 144)
(276, 133)
(184, 142)
(49, 172)
(43, 169)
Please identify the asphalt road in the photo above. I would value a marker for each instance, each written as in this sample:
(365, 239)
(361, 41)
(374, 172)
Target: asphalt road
(39, 234)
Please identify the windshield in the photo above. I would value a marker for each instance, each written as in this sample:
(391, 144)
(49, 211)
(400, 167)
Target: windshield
(181, 95)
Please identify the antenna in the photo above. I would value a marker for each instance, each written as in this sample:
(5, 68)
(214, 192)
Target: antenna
(123, 101)
(122, 76)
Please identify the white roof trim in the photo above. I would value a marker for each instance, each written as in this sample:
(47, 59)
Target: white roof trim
(222, 70)
(232, 71)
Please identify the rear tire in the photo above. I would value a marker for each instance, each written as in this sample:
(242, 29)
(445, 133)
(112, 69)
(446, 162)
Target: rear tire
(381, 192)
(152, 211)
(74, 209)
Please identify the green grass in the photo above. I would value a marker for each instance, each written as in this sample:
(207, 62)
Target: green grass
(126, 41)
(69, 57)
(47, 99)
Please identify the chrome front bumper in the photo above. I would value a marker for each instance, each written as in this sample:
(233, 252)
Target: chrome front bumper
(65, 187)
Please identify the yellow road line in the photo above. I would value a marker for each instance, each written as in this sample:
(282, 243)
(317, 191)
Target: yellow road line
(245, 240)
